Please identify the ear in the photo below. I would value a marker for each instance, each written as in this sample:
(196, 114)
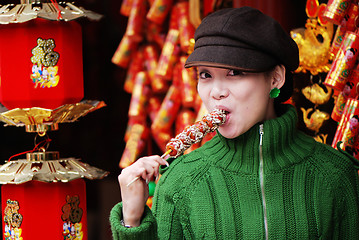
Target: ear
(278, 77)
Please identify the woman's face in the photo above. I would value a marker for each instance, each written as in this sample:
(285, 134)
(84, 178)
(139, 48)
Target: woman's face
(245, 96)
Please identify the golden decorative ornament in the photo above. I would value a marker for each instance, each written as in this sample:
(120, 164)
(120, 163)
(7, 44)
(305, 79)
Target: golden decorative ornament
(316, 94)
(40, 119)
(322, 138)
(29, 10)
(316, 120)
(42, 167)
(314, 42)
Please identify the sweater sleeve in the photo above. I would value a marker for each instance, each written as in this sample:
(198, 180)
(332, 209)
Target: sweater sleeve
(165, 214)
(164, 220)
(349, 205)
(348, 193)
(147, 229)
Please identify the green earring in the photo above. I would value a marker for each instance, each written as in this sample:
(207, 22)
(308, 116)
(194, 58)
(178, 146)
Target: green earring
(274, 93)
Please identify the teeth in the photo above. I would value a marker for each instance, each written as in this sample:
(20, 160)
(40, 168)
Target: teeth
(223, 111)
(220, 110)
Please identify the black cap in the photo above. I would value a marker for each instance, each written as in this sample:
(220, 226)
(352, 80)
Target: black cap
(245, 39)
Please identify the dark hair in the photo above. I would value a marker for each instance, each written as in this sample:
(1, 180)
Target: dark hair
(287, 89)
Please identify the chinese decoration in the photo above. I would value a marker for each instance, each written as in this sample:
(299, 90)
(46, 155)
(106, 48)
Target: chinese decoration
(43, 195)
(156, 43)
(328, 49)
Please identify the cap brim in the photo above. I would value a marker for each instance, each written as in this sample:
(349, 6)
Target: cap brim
(243, 59)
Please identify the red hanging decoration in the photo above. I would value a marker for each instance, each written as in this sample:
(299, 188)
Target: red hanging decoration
(40, 210)
(41, 64)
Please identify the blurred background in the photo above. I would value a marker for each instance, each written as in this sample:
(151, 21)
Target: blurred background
(98, 138)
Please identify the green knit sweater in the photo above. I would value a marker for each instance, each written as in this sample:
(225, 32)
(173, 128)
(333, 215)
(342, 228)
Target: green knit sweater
(288, 187)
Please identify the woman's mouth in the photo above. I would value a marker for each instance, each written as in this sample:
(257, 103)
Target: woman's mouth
(227, 117)
(227, 114)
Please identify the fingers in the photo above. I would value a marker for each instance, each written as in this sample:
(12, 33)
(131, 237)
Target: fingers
(155, 158)
(146, 168)
(164, 162)
(150, 169)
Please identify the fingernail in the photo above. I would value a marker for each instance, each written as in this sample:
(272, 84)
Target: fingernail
(147, 181)
(167, 164)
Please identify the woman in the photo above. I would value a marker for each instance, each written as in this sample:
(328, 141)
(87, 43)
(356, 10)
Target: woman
(259, 177)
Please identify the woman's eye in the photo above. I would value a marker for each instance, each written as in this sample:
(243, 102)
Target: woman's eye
(234, 72)
(204, 75)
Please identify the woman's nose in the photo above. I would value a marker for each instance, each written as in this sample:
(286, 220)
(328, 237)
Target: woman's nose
(220, 92)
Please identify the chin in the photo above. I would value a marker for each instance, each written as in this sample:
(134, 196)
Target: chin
(233, 130)
(228, 134)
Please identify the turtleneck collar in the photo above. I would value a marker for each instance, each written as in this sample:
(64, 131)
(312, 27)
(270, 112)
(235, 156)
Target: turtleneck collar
(283, 146)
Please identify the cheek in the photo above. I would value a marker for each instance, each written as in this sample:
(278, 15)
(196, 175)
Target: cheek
(251, 94)
(199, 91)
(252, 103)
(203, 91)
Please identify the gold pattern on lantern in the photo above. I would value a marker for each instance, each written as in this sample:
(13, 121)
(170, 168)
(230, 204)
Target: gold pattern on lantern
(71, 216)
(43, 54)
(44, 59)
(12, 220)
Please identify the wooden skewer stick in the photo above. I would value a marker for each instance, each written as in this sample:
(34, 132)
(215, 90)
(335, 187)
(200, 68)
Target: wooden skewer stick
(132, 181)
(138, 177)
(166, 153)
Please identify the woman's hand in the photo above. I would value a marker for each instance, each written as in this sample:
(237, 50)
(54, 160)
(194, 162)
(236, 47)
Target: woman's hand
(134, 196)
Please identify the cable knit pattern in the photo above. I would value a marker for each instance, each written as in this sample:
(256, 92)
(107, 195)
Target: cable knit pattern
(311, 190)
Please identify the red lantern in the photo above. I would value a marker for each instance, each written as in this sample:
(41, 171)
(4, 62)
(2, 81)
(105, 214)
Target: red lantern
(39, 210)
(44, 196)
(40, 64)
